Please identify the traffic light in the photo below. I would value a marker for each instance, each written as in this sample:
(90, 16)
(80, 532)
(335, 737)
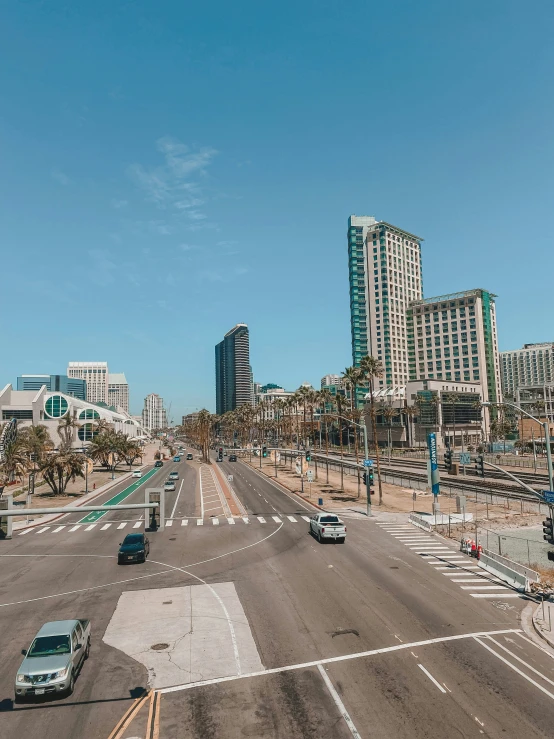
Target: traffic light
(548, 531)
(264, 451)
(368, 477)
(448, 458)
(308, 455)
(220, 450)
(480, 465)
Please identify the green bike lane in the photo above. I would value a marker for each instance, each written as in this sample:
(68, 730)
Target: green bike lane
(120, 497)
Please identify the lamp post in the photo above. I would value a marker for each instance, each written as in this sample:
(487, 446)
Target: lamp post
(366, 456)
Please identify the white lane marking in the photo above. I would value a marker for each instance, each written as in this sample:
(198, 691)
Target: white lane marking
(214, 508)
(137, 525)
(88, 528)
(215, 521)
(292, 518)
(199, 521)
(276, 519)
(330, 660)
(177, 499)
(280, 489)
(58, 529)
(211, 497)
(434, 549)
(246, 519)
(500, 596)
(75, 528)
(468, 579)
(261, 519)
(132, 579)
(306, 518)
(231, 521)
(516, 669)
(184, 522)
(122, 525)
(340, 705)
(169, 522)
(107, 526)
(41, 531)
(523, 662)
(431, 678)
(27, 531)
(201, 494)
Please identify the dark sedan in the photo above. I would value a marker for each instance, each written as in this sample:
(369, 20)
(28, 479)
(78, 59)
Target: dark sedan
(232, 457)
(134, 548)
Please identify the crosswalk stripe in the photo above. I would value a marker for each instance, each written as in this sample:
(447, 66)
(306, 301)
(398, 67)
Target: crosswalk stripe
(246, 519)
(199, 521)
(58, 529)
(184, 522)
(137, 525)
(306, 518)
(122, 525)
(231, 521)
(496, 595)
(468, 579)
(215, 521)
(276, 519)
(27, 531)
(41, 531)
(261, 519)
(88, 528)
(292, 518)
(75, 528)
(483, 587)
(169, 523)
(105, 526)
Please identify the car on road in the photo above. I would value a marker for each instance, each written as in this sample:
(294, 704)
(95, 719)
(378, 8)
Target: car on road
(133, 548)
(232, 457)
(177, 458)
(189, 456)
(159, 463)
(53, 660)
(169, 486)
(137, 473)
(174, 475)
(327, 526)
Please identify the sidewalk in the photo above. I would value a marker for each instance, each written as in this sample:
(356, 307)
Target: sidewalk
(543, 621)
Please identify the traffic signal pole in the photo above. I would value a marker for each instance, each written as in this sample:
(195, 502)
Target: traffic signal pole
(367, 484)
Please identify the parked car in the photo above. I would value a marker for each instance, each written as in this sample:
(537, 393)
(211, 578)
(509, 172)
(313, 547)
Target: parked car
(232, 457)
(133, 548)
(159, 463)
(174, 475)
(327, 526)
(137, 473)
(177, 458)
(169, 486)
(189, 456)
(54, 659)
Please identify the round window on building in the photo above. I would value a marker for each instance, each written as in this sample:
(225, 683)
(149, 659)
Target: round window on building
(87, 432)
(56, 406)
(89, 414)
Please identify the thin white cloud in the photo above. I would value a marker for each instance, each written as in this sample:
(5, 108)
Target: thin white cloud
(60, 177)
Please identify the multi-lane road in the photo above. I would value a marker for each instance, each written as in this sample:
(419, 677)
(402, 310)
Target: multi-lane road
(248, 627)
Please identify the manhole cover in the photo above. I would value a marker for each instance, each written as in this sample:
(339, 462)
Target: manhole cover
(159, 647)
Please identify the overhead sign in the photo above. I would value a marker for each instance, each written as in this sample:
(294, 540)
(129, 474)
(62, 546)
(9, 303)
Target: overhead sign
(368, 463)
(465, 458)
(434, 464)
(548, 496)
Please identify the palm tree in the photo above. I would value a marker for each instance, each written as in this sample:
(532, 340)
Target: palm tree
(339, 401)
(59, 468)
(389, 413)
(66, 430)
(15, 463)
(326, 398)
(411, 412)
(35, 441)
(452, 398)
(371, 369)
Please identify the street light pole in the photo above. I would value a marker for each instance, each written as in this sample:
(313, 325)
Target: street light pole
(366, 453)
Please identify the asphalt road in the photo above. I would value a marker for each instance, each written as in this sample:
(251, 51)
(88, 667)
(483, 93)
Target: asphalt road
(353, 639)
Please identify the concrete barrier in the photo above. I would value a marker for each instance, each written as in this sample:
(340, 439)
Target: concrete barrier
(510, 572)
(420, 522)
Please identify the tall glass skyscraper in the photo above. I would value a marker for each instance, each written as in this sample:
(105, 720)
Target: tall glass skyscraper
(384, 264)
(233, 386)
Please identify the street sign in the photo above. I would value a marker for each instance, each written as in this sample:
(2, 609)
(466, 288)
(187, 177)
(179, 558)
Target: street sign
(310, 476)
(548, 496)
(368, 463)
(465, 458)
(433, 464)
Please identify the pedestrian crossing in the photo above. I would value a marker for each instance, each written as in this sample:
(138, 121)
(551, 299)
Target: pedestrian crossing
(445, 558)
(212, 521)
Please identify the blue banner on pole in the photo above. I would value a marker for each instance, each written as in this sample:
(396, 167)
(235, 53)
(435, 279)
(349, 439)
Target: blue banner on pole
(435, 477)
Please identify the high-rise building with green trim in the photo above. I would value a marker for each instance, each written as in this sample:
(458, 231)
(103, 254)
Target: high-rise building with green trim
(384, 264)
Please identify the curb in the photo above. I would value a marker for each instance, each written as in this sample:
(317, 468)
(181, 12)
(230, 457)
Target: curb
(538, 630)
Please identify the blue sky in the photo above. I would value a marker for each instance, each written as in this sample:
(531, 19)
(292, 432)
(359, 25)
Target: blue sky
(171, 169)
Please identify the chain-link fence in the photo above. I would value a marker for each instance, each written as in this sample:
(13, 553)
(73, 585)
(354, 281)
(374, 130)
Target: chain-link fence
(528, 549)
